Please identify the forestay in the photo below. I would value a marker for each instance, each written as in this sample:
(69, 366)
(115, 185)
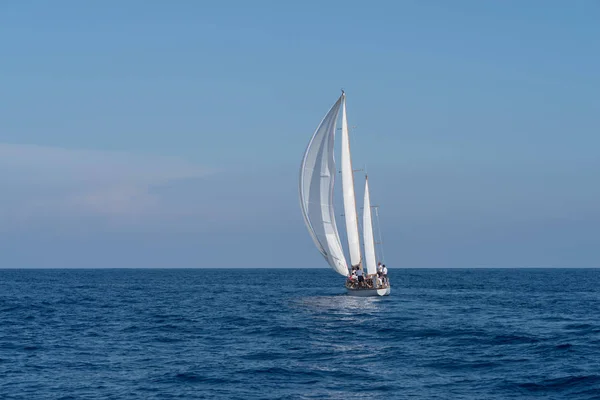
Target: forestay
(317, 175)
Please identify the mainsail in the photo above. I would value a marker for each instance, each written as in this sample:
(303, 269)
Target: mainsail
(368, 233)
(348, 192)
(317, 175)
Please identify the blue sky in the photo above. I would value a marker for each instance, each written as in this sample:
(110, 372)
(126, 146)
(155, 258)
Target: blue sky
(169, 134)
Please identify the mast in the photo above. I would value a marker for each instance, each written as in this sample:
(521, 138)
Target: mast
(370, 259)
(348, 192)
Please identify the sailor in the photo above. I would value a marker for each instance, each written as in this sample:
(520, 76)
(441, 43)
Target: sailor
(384, 272)
(361, 278)
(379, 269)
(352, 279)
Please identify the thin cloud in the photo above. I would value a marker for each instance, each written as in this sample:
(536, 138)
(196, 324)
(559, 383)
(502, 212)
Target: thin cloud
(38, 180)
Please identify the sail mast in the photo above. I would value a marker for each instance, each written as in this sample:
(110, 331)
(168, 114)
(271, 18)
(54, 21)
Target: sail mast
(370, 259)
(348, 192)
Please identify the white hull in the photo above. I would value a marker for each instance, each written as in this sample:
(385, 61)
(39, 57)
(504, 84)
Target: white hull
(369, 292)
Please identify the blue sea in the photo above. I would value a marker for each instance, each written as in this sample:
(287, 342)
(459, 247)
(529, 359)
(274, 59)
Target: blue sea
(294, 334)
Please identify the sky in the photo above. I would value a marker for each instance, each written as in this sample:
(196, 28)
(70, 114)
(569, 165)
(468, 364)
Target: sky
(170, 134)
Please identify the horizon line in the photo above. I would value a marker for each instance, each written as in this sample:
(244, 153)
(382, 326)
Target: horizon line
(270, 268)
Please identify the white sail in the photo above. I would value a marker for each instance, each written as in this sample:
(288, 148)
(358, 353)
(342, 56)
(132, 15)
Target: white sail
(317, 174)
(368, 233)
(348, 192)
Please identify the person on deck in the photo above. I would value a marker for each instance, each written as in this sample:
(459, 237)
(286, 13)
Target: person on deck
(385, 277)
(352, 279)
(379, 269)
(361, 278)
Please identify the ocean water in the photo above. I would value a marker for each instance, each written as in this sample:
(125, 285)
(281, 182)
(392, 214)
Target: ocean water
(293, 334)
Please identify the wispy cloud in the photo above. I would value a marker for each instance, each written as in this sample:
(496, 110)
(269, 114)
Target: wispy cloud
(38, 180)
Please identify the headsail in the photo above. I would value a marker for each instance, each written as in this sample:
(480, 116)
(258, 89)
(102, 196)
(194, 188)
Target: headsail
(348, 192)
(368, 233)
(317, 175)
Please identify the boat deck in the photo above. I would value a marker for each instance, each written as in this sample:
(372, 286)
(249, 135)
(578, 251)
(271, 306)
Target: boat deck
(366, 285)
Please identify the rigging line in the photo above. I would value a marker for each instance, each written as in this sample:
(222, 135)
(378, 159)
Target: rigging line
(380, 237)
(352, 139)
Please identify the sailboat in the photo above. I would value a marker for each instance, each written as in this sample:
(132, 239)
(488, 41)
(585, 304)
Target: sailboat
(316, 190)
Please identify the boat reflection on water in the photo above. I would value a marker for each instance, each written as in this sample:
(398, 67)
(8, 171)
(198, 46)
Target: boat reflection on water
(339, 304)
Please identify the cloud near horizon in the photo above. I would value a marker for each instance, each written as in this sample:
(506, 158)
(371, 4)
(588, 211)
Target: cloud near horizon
(40, 181)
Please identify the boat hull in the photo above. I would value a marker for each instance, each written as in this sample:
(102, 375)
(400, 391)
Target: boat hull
(369, 292)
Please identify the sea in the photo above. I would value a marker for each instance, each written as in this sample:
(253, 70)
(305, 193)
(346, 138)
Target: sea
(295, 334)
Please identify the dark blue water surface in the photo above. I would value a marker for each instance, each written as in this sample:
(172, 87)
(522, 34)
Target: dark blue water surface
(291, 334)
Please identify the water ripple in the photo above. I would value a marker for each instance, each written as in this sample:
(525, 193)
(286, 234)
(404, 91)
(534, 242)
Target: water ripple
(273, 334)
